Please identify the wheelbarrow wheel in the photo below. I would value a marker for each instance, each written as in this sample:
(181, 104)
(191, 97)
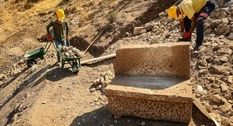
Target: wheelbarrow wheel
(31, 62)
(75, 67)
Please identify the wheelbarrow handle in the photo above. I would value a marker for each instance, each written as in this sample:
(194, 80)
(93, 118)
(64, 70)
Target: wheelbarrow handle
(48, 44)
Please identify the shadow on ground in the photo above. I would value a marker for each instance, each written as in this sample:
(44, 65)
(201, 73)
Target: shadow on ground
(102, 117)
(57, 73)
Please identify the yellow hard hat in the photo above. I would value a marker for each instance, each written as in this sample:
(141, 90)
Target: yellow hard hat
(60, 14)
(172, 12)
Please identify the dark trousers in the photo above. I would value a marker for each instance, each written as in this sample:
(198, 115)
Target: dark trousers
(200, 20)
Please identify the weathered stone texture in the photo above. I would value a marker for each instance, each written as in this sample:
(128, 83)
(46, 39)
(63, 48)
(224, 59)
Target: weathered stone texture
(168, 60)
(150, 109)
(173, 103)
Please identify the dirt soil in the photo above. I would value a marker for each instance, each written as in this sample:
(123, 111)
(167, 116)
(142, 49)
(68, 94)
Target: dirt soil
(48, 95)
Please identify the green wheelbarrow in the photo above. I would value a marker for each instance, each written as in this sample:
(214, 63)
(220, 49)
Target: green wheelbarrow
(73, 61)
(35, 54)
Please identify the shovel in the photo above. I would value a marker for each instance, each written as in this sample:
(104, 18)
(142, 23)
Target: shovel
(93, 41)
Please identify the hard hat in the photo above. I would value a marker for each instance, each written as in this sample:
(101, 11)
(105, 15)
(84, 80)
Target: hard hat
(60, 14)
(172, 12)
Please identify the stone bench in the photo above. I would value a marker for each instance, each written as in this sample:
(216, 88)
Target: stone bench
(152, 82)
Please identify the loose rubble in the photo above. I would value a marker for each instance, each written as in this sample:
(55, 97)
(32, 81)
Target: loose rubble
(102, 82)
(71, 52)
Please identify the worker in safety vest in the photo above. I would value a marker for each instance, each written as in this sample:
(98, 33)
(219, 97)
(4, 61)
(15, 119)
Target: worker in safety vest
(192, 14)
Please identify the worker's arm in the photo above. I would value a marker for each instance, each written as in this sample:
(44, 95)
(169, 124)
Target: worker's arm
(193, 24)
(48, 27)
(181, 26)
(190, 14)
(67, 28)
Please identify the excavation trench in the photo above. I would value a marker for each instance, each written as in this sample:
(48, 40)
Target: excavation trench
(97, 49)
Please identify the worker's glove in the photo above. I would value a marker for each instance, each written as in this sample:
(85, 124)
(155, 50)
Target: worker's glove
(187, 35)
(49, 37)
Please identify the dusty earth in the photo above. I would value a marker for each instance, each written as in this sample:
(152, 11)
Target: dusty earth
(48, 95)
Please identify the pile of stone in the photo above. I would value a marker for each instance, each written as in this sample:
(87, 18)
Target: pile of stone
(221, 22)
(102, 82)
(72, 52)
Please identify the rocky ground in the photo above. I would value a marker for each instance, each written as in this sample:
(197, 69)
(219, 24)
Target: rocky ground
(49, 95)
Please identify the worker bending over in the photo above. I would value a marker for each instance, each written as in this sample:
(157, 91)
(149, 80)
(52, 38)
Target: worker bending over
(192, 14)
